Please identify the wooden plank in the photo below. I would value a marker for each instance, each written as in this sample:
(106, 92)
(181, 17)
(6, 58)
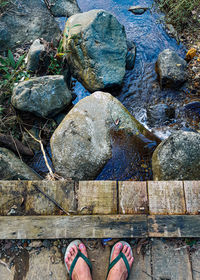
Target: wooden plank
(133, 198)
(97, 197)
(166, 197)
(174, 226)
(192, 196)
(22, 198)
(168, 263)
(52, 227)
(12, 197)
(142, 264)
(99, 256)
(195, 258)
(60, 191)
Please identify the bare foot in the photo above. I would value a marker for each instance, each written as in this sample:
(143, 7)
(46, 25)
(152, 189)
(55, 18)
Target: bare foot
(119, 271)
(81, 270)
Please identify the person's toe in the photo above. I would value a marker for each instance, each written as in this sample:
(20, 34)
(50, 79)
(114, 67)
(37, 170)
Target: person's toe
(131, 261)
(75, 250)
(124, 250)
(83, 249)
(71, 252)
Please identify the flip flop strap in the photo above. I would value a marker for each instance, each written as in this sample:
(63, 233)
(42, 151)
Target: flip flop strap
(121, 255)
(79, 255)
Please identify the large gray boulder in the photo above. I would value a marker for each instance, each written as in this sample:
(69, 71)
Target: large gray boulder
(178, 157)
(96, 48)
(171, 69)
(12, 168)
(82, 143)
(43, 96)
(27, 20)
(64, 8)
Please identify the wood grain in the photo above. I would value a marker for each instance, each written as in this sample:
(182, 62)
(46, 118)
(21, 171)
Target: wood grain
(142, 264)
(97, 197)
(192, 196)
(53, 227)
(12, 195)
(174, 226)
(133, 198)
(168, 263)
(195, 258)
(22, 198)
(166, 197)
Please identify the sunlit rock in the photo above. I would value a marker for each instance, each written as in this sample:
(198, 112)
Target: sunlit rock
(81, 145)
(96, 49)
(178, 157)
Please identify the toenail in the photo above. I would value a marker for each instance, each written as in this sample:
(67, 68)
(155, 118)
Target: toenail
(119, 245)
(81, 246)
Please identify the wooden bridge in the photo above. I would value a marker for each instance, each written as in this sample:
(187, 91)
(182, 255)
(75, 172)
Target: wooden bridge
(155, 213)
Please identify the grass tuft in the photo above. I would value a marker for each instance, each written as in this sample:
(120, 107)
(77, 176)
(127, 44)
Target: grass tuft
(181, 13)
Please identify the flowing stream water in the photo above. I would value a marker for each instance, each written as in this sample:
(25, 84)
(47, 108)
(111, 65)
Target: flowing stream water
(140, 87)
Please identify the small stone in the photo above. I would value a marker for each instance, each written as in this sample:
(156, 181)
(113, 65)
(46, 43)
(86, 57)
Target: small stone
(46, 243)
(35, 244)
(138, 10)
(34, 53)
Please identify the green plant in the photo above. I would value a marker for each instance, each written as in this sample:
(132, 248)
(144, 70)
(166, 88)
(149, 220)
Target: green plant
(3, 5)
(58, 57)
(180, 12)
(12, 71)
(1, 109)
(55, 67)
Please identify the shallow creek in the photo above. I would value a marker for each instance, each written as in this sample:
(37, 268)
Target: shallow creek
(140, 89)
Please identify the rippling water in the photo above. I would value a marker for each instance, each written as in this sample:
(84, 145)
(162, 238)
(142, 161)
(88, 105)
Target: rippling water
(140, 87)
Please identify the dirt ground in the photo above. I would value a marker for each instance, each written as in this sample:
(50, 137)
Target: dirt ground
(166, 259)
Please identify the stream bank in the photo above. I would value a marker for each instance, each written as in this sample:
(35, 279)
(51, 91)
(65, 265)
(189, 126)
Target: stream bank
(140, 91)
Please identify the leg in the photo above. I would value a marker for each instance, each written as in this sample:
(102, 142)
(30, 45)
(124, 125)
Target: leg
(119, 271)
(81, 270)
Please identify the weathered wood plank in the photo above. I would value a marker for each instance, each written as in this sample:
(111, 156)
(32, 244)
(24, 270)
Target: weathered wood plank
(174, 226)
(133, 198)
(166, 197)
(97, 197)
(12, 195)
(192, 196)
(169, 263)
(62, 192)
(142, 265)
(99, 256)
(22, 198)
(52, 227)
(195, 258)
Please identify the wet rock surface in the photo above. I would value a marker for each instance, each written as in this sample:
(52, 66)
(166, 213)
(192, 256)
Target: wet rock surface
(81, 145)
(96, 49)
(171, 69)
(193, 109)
(177, 158)
(12, 168)
(42, 96)
(131, 54)
(64, 8)
(25, 21)
(160, 114)
(138, 10)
